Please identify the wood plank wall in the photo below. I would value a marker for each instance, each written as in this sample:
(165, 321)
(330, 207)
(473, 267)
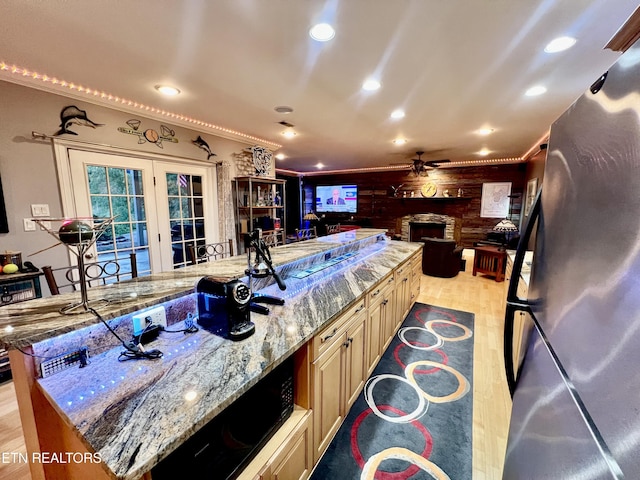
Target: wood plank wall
(378, 208)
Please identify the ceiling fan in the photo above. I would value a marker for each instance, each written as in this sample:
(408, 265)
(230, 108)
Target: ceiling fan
(419, 166)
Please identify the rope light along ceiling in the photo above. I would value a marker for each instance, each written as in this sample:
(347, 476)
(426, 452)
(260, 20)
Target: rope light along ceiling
(487, 161)
(32, 77)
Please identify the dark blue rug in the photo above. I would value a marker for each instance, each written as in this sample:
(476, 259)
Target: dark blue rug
(413, 418)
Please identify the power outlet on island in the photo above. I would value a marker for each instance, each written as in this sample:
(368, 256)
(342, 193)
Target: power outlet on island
(153, 316)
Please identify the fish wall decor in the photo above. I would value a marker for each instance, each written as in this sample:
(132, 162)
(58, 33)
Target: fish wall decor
(72, 115)
(201, 143)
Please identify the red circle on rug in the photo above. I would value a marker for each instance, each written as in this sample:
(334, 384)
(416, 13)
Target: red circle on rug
(380, 475)
(417, 313)
(396, 355)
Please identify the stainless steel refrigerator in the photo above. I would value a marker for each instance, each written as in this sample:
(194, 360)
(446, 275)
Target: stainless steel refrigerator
(576, 402)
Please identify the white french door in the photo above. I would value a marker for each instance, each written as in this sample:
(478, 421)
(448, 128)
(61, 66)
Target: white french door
(160, 207)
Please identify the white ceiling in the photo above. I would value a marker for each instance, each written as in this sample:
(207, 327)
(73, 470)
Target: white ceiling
(453, 65)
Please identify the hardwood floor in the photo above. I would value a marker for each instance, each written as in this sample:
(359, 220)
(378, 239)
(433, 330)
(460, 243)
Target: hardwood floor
(491, 402)
(484, 297)
(11, 439)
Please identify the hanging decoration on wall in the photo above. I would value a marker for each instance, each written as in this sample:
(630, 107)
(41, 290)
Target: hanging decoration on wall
(199, 142)
(149, 135)
(261, 160)
(72, 115)
(396, 189)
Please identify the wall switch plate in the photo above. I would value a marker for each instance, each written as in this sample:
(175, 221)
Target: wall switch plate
(29, 225)
(40, 210)
(157, 315)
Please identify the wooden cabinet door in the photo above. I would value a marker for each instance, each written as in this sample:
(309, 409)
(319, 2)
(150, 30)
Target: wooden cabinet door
(356, 364)
(403, 294)
(328, 395)
(375, 335)
(296, 459)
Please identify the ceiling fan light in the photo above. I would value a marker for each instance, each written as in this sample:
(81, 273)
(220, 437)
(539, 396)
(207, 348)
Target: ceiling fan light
(397, 114)
(399, 141)
(484, 131)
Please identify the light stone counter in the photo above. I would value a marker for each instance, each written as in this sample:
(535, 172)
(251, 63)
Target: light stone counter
(26, 323)
(135, 413)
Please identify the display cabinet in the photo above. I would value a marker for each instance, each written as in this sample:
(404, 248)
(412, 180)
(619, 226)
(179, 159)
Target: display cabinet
(259, 203)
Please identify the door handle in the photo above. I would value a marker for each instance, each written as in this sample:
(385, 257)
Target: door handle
(514, 304)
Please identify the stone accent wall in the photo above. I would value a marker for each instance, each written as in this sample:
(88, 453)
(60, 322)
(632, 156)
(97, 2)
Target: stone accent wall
(450, 223)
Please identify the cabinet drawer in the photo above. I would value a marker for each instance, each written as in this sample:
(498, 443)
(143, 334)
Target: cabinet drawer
(379, 292)
(335, 330)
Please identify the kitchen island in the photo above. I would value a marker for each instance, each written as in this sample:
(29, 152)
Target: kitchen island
(131, 415)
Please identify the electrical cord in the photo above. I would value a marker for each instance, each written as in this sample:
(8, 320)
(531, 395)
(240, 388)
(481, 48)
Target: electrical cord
(188, 323)
(132, 351)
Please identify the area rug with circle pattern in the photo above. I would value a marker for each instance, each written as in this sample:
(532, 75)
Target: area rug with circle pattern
(413, 418)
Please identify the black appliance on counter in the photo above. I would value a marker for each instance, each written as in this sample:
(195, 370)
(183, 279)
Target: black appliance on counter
(223, 307)
(226, 445)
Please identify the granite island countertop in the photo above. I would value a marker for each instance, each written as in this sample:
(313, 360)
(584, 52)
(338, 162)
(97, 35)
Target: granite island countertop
(23, 324)
(137, 412)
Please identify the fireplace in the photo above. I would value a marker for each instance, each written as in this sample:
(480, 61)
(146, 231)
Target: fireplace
(414, 227)
(417, 230)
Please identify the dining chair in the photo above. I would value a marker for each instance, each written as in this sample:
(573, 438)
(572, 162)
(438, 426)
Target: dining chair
(273, 239)
(305, 234)
(211, 251)
(96, 273)
(333, 229)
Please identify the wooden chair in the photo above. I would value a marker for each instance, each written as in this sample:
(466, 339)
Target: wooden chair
(96, 273)
(331, 229)
(273, 239)
(210, 251)
(305, 234)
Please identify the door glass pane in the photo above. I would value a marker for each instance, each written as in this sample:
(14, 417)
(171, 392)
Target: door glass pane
(185, 199)
(118, 192)
(97, 179)
(117, 183)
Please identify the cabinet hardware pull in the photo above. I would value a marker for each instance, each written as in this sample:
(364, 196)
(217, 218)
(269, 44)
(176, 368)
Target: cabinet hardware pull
(390, 280)
(346, 344)
(350, 339)
(375, 294)
(385, 301)
(331, 335)
(359, 309)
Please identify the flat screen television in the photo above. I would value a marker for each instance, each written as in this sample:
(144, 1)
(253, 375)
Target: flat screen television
(337, 198)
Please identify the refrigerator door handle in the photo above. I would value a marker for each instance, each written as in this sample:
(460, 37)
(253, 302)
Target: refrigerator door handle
(515, 304)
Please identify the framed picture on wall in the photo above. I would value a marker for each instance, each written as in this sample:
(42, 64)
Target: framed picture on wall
(495, 199)
(532, 189)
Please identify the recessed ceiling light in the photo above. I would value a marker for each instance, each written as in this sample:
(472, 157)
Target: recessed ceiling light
(322, 32)
(280, 156)
(283, 109)
(396, 114)
(484, 152)
(399, 141)
(319, 165)
(559, 44)
(534, 91)
(371, 85)
(167, 90)
(484, 131)
(289, 133)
